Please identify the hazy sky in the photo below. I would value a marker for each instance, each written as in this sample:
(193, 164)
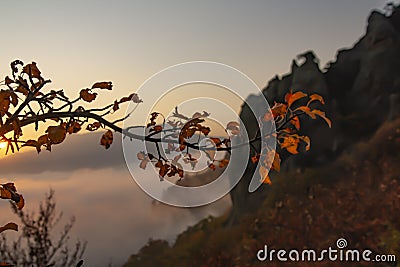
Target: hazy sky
(76, 43)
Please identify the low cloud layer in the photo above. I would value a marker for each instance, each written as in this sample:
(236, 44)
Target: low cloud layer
(113, 214)
(76, 152)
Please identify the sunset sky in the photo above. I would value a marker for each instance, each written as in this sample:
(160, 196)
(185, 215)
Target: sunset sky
(77, 43)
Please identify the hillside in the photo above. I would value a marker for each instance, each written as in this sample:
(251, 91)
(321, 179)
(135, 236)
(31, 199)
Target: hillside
(356, 197)
(347, 186)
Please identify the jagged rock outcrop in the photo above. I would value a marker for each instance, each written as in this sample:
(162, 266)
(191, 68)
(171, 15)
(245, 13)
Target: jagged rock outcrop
(361, 88)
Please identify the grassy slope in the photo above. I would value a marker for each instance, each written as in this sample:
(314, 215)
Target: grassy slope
(356, 197)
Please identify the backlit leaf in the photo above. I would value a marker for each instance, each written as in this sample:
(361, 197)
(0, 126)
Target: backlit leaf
(255, 158)
(263, 171)
(4, 103)
(107, 139)
(205, 130)
(157, 128)
(164, 170)
(42, 140)
(14, 65)
(56, 134)
(290, 143)
(290, 98)
(217, 142)
(8, 191)
(278, 110)
(73, 127)
(306, 110)
(115, 106)
(8, 80)
(322, 115)
(276, 164)
(132, 97)
(212, 166)
(87, 96)
(223, 163)
(22, 86)
(268, 116)
(9, 226)
(93, 126)
(144, 159)
(307, 140)
(296, 122)
(32, 70)
(30, 143)
(316, 97)
(102, 85)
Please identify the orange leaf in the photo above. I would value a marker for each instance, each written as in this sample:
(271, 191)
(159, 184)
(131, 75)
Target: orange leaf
(8, 191)
(56, 134)
(30, 143)
(116, 105)
(87, 96)
(306, 110)
(216, 141)
(255, 158)
(279, 109)
(14, 65)
(157, 128)
(73, 127)
(181, 147)
(276, 164)
(4, 193)
(223, 163)
(322, 115)
(291, 144)
(268, 116)
(32, 70)
(144, 159)
(8, 80)
(159, 164)
(212, 166)
(21, 202)
(141, 155)
(180, 172)
(263, 171)
(93, 126)
(296, 122)
(132, 97)
(107, 139)
(315, 97)
(290, 98)
(205, 130)
(163, 170)
(307, 140)
(4, 103)
(143, 163)
(103, 85)
(14, 98)
(22, 86)
(9, 226)
(42, 140)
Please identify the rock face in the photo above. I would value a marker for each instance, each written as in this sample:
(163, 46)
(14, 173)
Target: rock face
(361, 88)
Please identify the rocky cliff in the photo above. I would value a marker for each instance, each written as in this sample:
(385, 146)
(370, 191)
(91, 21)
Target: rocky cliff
(361, 88)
